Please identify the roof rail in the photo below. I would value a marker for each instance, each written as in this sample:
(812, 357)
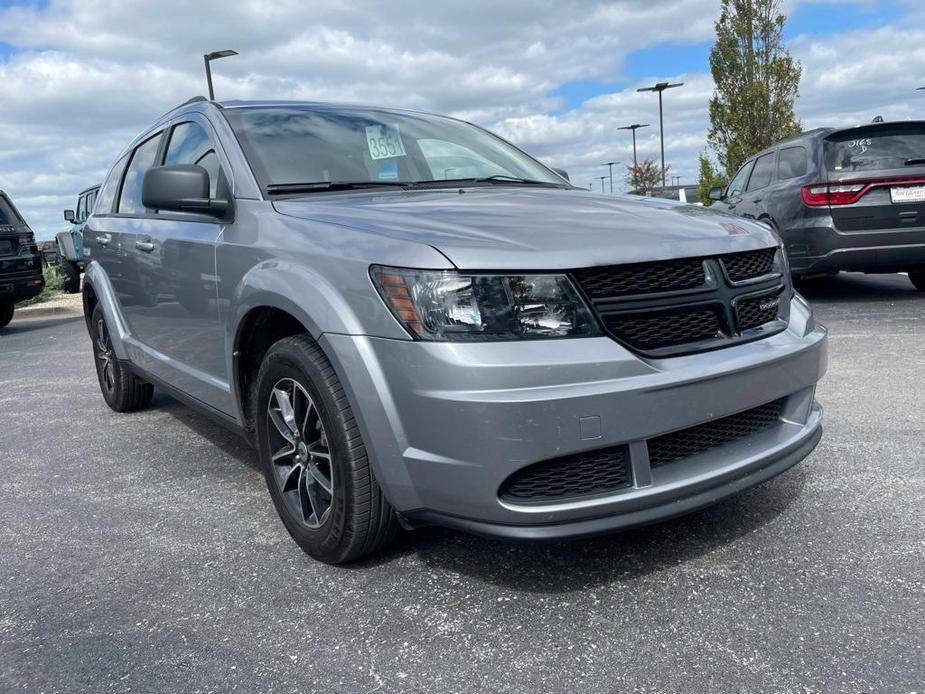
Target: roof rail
(194, 100)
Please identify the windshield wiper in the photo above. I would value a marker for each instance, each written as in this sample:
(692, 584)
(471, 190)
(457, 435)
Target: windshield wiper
(914, 162)
(309, 187)
(497, 178)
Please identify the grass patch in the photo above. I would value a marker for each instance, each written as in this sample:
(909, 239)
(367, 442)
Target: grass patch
(53, 284)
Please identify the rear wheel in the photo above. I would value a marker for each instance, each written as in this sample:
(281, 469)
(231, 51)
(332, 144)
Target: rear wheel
(71, 276)
(314, 458)
(917, 277)
(122, 390)
(6, 313)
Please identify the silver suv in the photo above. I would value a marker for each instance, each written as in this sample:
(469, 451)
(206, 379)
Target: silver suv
(415, 322)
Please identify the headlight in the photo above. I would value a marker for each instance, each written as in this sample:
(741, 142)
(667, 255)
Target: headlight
(452, 306)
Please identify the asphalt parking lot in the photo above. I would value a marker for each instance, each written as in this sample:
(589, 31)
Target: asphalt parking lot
(141, 553)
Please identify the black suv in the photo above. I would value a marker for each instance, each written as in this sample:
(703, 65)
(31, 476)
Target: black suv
(842, 199)
(20, 263)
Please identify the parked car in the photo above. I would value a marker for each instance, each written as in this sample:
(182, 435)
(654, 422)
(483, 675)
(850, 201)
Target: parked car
(841, 198)
(500, 352)
(21, 275)
(70, 242)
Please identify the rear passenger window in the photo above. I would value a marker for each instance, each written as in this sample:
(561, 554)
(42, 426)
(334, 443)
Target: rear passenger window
(142, 160)
(763, 172)
(791, 162)
(107, 192)
(190, 144)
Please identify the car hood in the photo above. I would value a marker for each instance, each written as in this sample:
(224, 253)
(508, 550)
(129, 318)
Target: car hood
(535, 228)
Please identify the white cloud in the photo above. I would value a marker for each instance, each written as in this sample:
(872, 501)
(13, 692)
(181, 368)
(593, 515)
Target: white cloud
(87, 76)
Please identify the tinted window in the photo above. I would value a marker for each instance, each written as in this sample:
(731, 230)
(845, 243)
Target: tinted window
(189, 144)
(107, 194)
(81, 208)
(737, 185)
(309, 145)
(763, 173)
(887, 147)
(142, 160)
(791, 162)
(8, 213)
(91, 201)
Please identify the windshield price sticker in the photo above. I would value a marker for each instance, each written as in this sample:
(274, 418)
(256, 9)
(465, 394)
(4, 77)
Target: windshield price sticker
(384, 141)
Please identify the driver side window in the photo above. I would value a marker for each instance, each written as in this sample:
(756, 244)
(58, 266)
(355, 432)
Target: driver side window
(190, 144)
(737, 185)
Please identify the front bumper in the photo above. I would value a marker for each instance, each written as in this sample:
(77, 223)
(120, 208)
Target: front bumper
(445, 424)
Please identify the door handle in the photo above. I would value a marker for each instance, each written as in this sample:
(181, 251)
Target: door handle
(103, 239)
(757, 200)
(146, 246)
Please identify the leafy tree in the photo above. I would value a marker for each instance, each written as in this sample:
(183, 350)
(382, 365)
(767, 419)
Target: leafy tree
(756, 81)
(709, 178)
(645, 176)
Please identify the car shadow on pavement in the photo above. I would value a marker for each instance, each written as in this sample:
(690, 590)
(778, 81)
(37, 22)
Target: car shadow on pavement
(231, 443)
(552, 567)
(854, 287)
(562, 567)
(25, 325)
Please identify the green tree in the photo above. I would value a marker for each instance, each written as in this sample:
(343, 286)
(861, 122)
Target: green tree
(645, 177)
(756, 82)
(709, 178)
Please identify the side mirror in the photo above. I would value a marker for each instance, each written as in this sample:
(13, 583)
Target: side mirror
(716, 193)
(180, 188)
(69, 216)
(563, 173)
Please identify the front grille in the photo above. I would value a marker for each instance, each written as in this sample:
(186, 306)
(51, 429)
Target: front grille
(664, 329)
(673, 307)
(756, 311)
(642, 278)
(583, 474)
(687, 442)
(749, 265)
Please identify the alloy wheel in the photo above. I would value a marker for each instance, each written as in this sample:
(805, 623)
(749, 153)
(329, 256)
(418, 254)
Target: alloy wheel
(300, 454)
(104, 355)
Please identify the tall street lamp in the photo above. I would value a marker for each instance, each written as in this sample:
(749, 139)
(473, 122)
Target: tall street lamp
(209, 57)
(609, 166)
(660, 87)
(634, 127)
(602, 179)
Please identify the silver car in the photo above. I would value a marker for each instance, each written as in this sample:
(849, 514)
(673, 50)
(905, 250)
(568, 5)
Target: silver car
(415, 322)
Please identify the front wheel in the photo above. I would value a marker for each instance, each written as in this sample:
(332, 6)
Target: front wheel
(6, 313)
(917, 277)
(122, 390)
(314, 458)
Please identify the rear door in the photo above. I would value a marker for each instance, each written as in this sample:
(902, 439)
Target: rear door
(879, 170)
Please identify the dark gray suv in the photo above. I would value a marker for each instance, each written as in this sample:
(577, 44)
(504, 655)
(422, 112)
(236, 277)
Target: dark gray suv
(415, 322)
(841, 198)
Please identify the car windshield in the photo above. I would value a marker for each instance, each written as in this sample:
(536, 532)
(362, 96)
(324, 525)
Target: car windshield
(887, 147)
(291, 145)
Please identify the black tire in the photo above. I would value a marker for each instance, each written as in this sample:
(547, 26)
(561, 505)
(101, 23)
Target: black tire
(71, 276)
(6, 313)
(917, 277)
(355, 519)
(122, 390)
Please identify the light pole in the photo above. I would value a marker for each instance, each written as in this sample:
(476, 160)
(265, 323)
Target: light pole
(609, 166)
(209, 57)
(660, 87)
(634, 127)
(602, 179)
